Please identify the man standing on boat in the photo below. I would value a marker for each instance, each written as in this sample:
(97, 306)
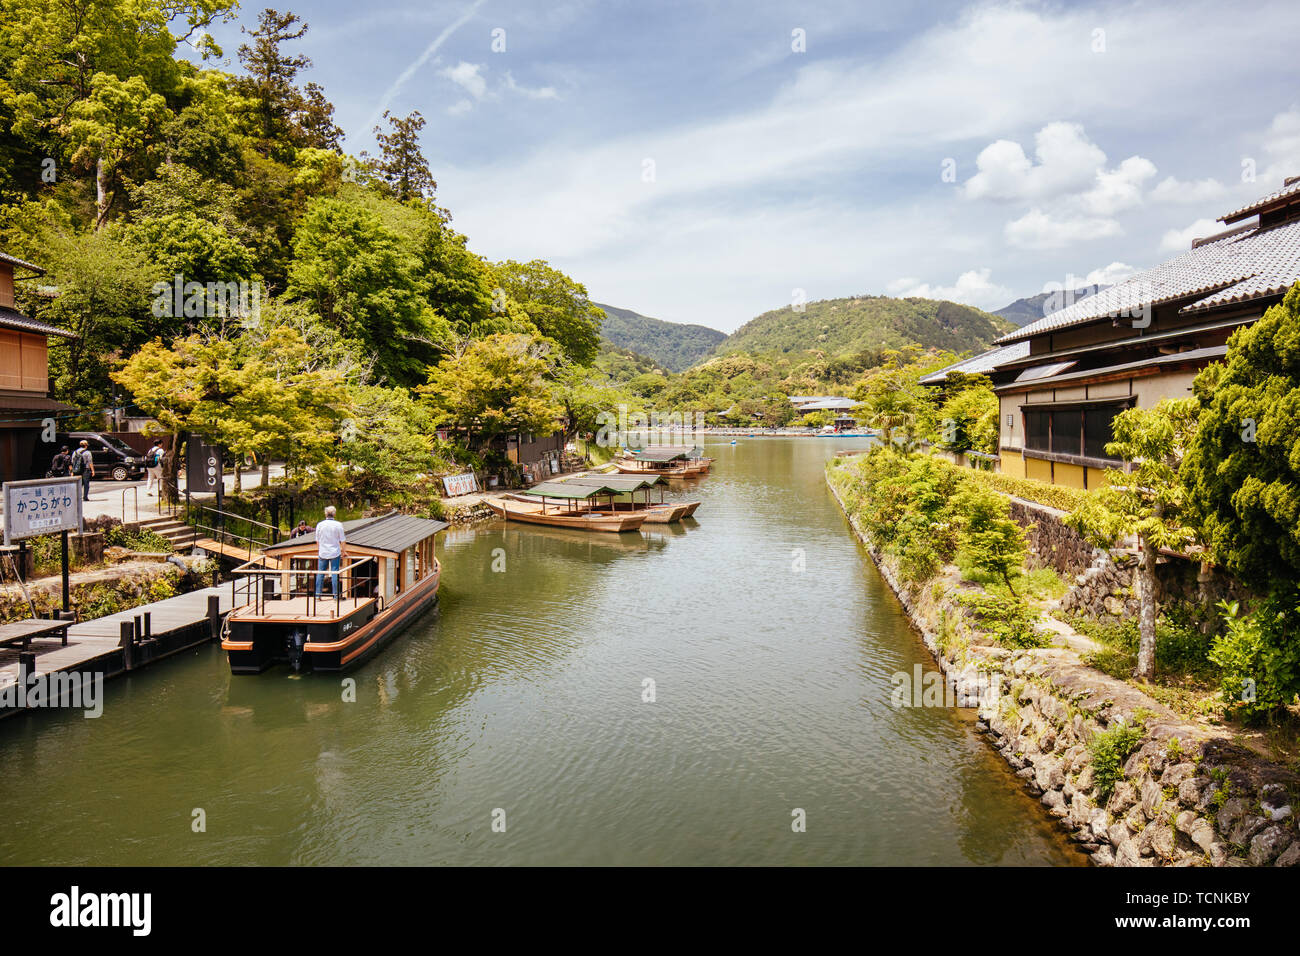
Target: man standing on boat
(331, 550)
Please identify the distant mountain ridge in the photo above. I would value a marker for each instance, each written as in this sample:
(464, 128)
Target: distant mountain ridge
(861, 323)
(673, 345)
(1034, 307)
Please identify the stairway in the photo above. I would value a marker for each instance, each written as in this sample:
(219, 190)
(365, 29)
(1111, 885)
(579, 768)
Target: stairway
(181, 535)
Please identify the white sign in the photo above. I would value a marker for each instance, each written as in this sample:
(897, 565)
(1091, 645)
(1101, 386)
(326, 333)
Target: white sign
(41, 506)
(460, 484)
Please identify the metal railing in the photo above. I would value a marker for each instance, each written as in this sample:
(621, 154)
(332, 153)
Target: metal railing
(135, 491)
(256, 583)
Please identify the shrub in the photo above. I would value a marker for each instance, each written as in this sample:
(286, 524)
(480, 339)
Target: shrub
(1054, 496)
(1109, 749)
(1259, 658)
(1007, 619)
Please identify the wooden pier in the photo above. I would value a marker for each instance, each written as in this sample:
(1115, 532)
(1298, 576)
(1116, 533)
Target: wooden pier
(126, 641)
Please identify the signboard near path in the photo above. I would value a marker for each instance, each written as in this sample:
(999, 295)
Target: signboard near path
(41, 506)
(460, 484)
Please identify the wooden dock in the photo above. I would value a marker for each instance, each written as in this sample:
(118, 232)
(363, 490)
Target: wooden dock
(115, 644)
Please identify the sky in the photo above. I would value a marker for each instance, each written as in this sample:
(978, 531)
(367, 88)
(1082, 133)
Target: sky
(705, 162)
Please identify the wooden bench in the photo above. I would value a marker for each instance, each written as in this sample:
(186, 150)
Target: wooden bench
(22, 632)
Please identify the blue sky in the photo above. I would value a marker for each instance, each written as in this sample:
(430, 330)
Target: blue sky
(685, 161)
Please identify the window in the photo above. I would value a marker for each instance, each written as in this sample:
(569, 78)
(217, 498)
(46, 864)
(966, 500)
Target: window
(1071, 431)
(1037, 425)
(1067, 432)
(1097, 431)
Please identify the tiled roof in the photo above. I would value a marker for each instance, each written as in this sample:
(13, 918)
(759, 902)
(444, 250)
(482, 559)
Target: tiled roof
(391, 532)
(1249, 210)
(13, 319)
(827, 405)
(21, 263)
(1234, 268)
(979, 364)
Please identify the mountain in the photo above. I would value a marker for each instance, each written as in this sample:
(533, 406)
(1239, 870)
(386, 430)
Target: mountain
(674, 346)
(1034, 307)
(862, 323)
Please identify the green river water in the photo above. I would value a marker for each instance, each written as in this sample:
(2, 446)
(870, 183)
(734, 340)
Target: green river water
(523, 692)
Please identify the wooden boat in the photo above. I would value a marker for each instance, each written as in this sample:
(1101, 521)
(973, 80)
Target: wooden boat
(579, 509)
(389, 579)
(660, 512)
(672, 461)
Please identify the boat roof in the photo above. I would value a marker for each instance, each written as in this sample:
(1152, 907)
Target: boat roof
(577, 491)
(631, 482)
(391, 532)
(661, 454)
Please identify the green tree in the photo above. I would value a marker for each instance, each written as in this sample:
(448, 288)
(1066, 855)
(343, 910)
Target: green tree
(401, 167)
(1147, 501)
(1242, 470)
(557, 306)
(362, 278)
(989, 539)
(969, 417)
(493, 386)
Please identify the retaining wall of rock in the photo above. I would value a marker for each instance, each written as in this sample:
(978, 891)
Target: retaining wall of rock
(1186, 797)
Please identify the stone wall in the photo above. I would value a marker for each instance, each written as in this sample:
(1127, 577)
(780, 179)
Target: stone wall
(1052, 543)
(1103, 584)
(1186, 795)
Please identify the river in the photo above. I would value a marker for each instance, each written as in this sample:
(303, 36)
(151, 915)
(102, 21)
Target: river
(521, 701)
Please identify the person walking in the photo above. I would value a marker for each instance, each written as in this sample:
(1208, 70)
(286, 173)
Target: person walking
(83, 466)
(153, 464)
(331, 551)
(61, 466)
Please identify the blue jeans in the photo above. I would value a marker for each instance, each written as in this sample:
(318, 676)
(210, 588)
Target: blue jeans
(328, 564)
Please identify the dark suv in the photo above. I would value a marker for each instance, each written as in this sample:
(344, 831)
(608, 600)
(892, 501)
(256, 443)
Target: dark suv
(113, 457)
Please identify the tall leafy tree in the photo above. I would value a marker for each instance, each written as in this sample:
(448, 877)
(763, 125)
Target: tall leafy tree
(1148, 501)
(401, 167)
(557, 306)
(1243, 468)
(363, 279)
(493, 386)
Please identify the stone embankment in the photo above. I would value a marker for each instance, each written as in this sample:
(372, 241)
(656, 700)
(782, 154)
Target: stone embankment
(1174, 794)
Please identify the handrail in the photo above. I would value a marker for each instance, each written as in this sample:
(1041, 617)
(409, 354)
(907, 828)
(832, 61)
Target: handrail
(238, 517)
(252, 572)
(135, 489)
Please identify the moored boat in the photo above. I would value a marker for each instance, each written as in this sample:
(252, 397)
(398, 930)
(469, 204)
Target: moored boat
(575, 506)
(390, 578)
(656, 512)
(672, 461)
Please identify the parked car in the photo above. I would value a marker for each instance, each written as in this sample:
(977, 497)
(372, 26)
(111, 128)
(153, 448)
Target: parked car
(113, 457)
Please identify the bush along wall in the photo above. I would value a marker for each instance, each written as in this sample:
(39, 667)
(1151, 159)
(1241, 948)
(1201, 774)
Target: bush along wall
(1132, 783)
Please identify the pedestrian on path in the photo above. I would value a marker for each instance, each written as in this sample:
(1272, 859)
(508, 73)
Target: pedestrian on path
(83, 466)
(331, 550)
(153, 463)
(61, 466)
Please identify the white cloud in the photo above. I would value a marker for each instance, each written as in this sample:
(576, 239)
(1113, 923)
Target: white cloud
(1109, 275)
(1039, 230)
(720, 217)
(1067, 161)
(972, 287)
(468, 77)
(1173, 190)
(1120, 188)
(460, 107)
(537, 93)
(1180, 240)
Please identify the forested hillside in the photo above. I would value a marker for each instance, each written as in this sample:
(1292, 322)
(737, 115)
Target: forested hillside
(673, 345)
(837, 327)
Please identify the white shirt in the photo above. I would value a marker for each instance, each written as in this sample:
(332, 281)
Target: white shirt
(329, 535)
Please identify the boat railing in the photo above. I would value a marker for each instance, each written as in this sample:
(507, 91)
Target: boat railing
(256, 582)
